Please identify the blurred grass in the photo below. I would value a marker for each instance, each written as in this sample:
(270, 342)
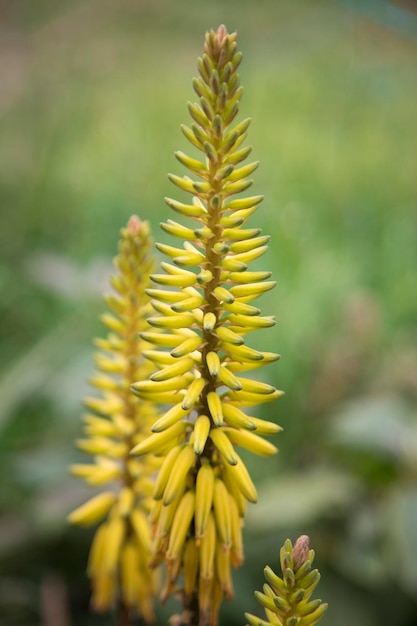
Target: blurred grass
(92, 97)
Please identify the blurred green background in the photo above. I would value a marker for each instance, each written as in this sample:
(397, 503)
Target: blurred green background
(92, 96)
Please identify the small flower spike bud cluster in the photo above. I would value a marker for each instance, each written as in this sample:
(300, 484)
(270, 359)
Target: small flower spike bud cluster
(116, 422)
(286, 600)
(203, 312)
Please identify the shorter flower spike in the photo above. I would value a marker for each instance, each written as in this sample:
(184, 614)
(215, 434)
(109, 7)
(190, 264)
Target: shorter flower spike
(286, 600)
(121, 548)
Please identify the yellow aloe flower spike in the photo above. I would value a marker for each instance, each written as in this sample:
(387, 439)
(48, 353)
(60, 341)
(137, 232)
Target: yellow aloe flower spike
(121, 549)
(287, 600)
(202, 307)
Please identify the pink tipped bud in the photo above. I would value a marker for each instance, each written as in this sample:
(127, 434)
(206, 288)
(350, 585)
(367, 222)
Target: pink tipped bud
(300, 551)
(134, 224)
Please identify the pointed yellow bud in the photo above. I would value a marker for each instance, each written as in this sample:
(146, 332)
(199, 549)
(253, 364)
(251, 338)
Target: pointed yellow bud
(126, 501)
(171, 417)
(177, 480)
(180, 525)
(215, 407)
(141, 527)
(165, 472)
(180, 366)
(209, 321)
(229, 336)
(204, 498)
(93, 510)
(229, 379)
(251, 442)
(193, 393)
(263, 427)
(157, 441)
(237, 418)
(213, 363)
(189, 345)
(224, 446)
(222, 513)
(208, 549)
(115, 534)
(201, 433)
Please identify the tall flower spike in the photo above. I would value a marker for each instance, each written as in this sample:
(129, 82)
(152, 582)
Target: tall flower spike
(286, 600)
(201, 305)
(120, 552)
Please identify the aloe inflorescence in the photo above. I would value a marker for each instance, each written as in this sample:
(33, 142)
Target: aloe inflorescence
(287, 599)
(202, 316)
(117, 421)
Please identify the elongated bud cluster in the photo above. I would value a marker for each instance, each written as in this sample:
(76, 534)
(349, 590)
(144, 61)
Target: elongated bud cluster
(116, 422)
(287, 600)
(203, 312)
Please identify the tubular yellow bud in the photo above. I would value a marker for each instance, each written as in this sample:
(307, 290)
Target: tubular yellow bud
(243, 353)
(248, 277)
(204, 277)
(215, 407)
(236, 532)
(179, 367)
(113, 323)
(177, 230)
(234, 234)
(170, 418)
(240, 475)
(175, 280)
(99, 426)
(229, 379)
(224, 446)
(180, 524)
(154, 387)
(232, 264)
(249, 321)
(158, 440)
(129, 577)
(229, 336)
(193, 393)
(170, 297)
(213, 363)
(165, 472)
(263, 427)
(251, 442)
(254, 386)
(201, 433)
(204, 498)
(177, 478)
(126, 501)
(207, 549)
(97, 550)
(174, 321)
(93, 510)
(245, 398)
(222, 513)
(97, 445)
(115, 533)
(169, 250)
(141, 527)
(249, 244)
(223, 295)
(237, 418)
(188, 304)
(164, 340)
(187, 346)
(241, 308)
(223, 572)
(209, 322)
